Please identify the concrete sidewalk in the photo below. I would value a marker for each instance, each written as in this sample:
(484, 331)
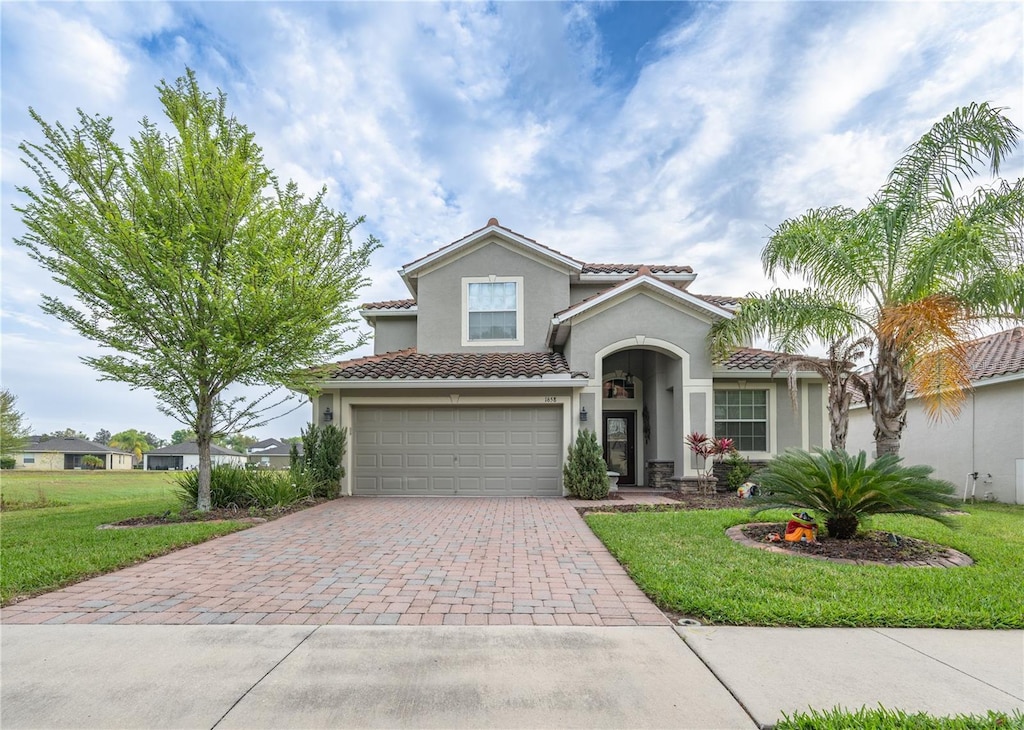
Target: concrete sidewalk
(85, 676)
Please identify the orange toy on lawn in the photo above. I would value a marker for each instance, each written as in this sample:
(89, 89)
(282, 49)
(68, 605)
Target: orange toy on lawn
(802, 528)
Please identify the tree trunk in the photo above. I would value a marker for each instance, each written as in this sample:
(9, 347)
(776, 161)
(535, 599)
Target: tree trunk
(888, 399)
(204, 436)
(838, 415)
(842, 527)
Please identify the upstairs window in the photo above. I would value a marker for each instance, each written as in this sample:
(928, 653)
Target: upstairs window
(493, 311)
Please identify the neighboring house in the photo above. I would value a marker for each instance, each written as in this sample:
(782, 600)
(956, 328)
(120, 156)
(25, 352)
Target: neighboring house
(55, 454)
(270, 454)
(988, 435)
(186, 456)
(479, 383)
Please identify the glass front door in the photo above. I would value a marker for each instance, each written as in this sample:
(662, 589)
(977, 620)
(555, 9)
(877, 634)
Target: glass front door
(620, 445)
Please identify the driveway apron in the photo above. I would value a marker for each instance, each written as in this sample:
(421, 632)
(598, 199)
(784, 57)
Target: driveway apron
(409, 561)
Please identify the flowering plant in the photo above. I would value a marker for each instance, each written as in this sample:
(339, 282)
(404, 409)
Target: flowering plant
(705, 446)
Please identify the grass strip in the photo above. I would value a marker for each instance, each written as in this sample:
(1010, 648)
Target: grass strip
(883, 719)
(685, 563)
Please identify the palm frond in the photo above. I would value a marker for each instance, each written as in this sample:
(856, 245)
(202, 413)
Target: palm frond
(934, 332)
(829, 247)
(788, 318)
(951, 152)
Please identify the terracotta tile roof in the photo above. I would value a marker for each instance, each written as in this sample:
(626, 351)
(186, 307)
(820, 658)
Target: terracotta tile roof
(998, 354)
(641, 270)
(390, 304)
(409, 364)
(721, 301)
(1001, 353)
(750, 358)
(633, 268)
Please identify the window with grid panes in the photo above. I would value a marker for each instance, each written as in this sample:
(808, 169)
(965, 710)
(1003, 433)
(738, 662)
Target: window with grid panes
(742, 415)
(492, 310)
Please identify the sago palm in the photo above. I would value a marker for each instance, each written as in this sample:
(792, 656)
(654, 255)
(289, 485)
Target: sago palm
(842, 489)
(914, 270)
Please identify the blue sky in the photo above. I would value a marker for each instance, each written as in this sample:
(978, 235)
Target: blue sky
(615, 132)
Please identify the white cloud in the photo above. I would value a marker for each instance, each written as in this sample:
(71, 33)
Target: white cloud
(429, 119)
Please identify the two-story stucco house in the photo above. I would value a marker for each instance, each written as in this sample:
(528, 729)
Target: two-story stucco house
(480, 381)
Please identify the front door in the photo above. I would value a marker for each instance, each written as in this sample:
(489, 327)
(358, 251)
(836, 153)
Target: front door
(620, 444)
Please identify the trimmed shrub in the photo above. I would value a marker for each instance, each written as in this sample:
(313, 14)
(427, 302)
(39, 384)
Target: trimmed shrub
(7, 462)
(323, 449)
(585, 473)
(843, 490)
(738, 470)
(269, 489)
(227, 487)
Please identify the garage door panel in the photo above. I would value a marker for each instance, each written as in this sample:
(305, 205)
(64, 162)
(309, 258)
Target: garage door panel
(458, 450)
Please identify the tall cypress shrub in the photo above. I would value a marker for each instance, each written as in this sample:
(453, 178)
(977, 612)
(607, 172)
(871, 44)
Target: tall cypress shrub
(585, 474)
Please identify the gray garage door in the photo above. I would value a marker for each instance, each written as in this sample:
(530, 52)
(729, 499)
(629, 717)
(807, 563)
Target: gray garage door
(457, 450)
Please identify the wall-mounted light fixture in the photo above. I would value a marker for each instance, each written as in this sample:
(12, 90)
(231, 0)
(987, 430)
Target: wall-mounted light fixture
(583, 414)
(328, 414)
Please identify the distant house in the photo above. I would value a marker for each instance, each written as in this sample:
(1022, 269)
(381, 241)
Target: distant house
(270, 454)
(57, 454)
(987, 437)
(177, 457)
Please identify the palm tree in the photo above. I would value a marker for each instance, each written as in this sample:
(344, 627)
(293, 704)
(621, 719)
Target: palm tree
(915, 270)
(133, 441)
(838, 371)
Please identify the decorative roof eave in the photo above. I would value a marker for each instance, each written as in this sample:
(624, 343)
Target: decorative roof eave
(560, 380)
(761, 374)
(371, 315)
(410, 270)
(607, 278)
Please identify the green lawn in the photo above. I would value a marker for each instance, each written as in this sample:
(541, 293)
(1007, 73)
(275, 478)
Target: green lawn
(44, 549)
(684, 561)
(883, 719)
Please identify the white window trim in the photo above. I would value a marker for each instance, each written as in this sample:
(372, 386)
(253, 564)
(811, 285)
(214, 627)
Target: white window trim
(773, 436)
(492, 279)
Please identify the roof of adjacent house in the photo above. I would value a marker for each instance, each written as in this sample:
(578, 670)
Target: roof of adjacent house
(69, 446)
(410, 364)
(271, 447)
(999, 354)
(191, 448)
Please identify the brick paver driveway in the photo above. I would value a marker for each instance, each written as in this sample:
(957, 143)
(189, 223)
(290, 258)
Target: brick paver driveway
(411, 561)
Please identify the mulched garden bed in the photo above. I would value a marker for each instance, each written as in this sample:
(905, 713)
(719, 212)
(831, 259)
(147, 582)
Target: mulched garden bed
(253, 516)
(875, 546)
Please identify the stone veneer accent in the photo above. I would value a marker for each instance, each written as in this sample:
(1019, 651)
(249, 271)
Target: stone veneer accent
(950, 558)
(659, 474)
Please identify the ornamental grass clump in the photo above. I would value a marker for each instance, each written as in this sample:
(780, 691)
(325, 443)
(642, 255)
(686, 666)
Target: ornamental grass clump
(842, 490)
(585, 473)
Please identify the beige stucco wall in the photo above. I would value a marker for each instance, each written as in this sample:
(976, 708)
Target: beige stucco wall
(987, 437)
(439, 299)
(44, 461)
(391, 334)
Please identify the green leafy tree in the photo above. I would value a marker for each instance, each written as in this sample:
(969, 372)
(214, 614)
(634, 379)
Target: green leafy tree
(182, 435)
(155, 441)
(914, 270)
(67, 433)
(103, 436)
(14, 432)
(92, 462)
(191, 262)
(585, 473)
(134, 441)
(843, 490)
(238, 442)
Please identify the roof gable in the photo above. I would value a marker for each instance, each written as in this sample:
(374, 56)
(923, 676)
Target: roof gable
(643, 279)
(493, 229)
